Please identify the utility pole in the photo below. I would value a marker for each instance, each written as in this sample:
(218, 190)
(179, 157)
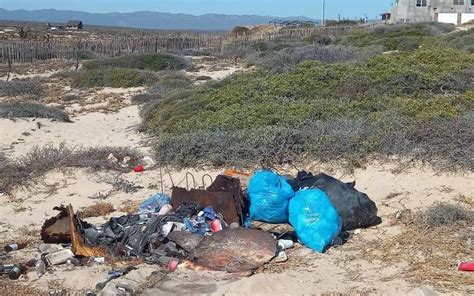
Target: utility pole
(323, 12)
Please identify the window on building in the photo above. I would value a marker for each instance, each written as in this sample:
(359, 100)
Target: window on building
(422, 3)
(472, 2)
(459, 2)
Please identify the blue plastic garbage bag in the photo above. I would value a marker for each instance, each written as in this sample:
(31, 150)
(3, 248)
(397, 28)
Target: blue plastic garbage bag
(314, 219)
(154, 203)
(269, 194)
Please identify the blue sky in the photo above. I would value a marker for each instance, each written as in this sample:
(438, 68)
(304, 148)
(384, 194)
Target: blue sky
(310, 8)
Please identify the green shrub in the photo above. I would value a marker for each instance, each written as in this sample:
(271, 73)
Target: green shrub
(286, 58)
(113, 77)
(396, 37)
(463, 40)
(145, 98)
(325, 111)
(32, 109)
(163, 87)
(150, 62)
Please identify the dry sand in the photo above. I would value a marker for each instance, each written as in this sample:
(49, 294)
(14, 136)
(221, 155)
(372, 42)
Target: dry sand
(341, 270)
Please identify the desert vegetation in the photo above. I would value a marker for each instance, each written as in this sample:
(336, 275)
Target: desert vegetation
(20, 87)
(126, 71)
(150, 62)
(23, 172)
(32, 109)
(328, 102)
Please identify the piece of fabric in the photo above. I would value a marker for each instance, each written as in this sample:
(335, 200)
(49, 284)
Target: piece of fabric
(269, 194)
(355, 208)
(314, 219)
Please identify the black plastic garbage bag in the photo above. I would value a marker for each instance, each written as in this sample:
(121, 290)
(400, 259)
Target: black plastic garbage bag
(356, 209)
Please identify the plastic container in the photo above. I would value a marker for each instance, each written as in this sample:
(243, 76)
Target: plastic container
(139, 168)
(285, 243)
(216, 225)
(466, 266)
(14, 273)
(172, 265)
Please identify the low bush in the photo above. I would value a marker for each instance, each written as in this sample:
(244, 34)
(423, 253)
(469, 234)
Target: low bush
(71, 98)
(164, 87)
(203, 78)
(405, 104)
(289, 57)
(150, 62)
(396, 37)
(463, 40)
(32, 109)
(145, 98)
(445, 214)
(20, 87)
(23, 171)
(113, 77)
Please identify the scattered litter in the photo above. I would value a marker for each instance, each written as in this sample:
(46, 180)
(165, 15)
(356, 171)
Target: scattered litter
(466, 266)
(126, 288)
(100, 260)
(49, 248)
(149, 162)
(357, 231)
(139, 168)
(59, 257)
(125, 161)
(113, 274)
(13, 271)
(14, 247)
(112, 158)
(201, 228)
(40, 267)
(285, 243)
(165, 209)
(154, 203)
(281, 257)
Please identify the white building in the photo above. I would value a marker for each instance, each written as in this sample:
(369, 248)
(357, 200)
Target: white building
(456, 12)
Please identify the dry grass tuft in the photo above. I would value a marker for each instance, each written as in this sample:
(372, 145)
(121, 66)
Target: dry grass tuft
(129, 206)
(16, 288)
(23, 171)
(98, 209)
(432, 242)
(445, 214)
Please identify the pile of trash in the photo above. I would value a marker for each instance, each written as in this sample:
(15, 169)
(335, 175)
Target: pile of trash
(209, 228)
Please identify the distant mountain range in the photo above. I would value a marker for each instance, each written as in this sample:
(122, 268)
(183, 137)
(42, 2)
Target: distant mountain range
(142, 19)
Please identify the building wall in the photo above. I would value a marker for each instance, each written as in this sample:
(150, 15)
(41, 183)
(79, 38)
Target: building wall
(407, 11)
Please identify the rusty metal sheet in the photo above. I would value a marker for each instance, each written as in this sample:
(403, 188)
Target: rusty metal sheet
(224, 183)
(57, 230)
(236, 250)
(222, 202)
(78, 246)
(186, 240)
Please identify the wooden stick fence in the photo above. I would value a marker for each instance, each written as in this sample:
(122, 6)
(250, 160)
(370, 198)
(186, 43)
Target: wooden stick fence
(27, 51)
